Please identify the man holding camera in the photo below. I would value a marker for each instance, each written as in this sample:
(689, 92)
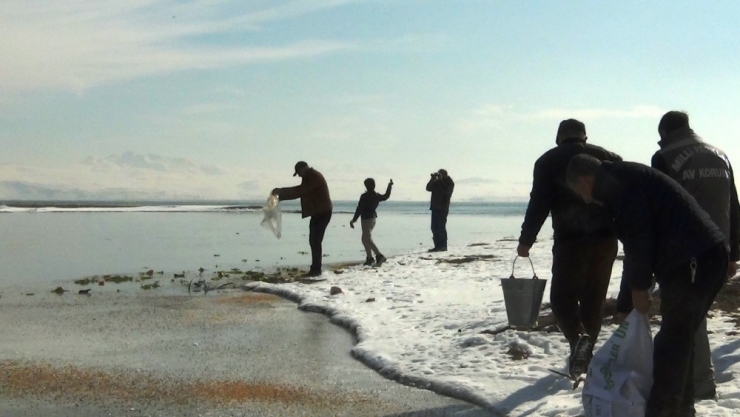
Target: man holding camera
(441, 187)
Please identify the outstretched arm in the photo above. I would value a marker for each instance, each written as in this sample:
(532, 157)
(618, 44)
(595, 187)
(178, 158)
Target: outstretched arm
(387, 194)
(292, 193)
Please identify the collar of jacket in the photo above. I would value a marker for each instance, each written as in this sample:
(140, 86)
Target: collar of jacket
(679, 137)
(572, 140)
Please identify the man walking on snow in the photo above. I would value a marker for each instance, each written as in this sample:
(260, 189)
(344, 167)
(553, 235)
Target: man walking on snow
(584, 247)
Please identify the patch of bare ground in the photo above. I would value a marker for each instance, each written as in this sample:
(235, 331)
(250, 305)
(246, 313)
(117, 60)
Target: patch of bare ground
(23, 380)
(465, 259)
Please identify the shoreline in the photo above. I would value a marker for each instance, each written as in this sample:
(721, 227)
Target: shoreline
(438, 322)
(355, 329)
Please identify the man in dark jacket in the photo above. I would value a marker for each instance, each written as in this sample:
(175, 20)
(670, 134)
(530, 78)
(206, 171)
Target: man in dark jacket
(705, 172)
(584, 247)
(664, 232)
(316, 204)
(365, 211)
(441, 187)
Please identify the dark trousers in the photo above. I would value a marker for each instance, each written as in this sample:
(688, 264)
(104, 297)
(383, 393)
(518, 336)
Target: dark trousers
(317, 228)
(683, 306)
(581, 269)
(439, 228)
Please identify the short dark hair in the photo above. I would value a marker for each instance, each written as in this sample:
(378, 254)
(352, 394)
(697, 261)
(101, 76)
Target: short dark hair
(443, 171)
(581, 165)
(673, 120)
(370, 184)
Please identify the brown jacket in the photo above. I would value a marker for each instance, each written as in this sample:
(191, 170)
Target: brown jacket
(313, 192)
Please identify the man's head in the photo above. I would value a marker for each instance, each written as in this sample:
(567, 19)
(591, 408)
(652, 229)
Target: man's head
(442, 173)
(570, 128)
(370, 184)
(300, 168)
(581, 175)
(672, 121)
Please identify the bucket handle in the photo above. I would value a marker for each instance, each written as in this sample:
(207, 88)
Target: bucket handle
(534, 274)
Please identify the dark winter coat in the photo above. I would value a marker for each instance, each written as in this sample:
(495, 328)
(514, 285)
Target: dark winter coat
(705, 172)
(441, 189)
(313, 192)
(369, 203)
(659, 223)
(571, 217)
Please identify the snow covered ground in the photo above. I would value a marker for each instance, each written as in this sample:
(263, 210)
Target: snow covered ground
(424, 329)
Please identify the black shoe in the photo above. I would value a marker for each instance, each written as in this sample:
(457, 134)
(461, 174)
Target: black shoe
(434, 250)
(311, 274)
(369, 261)
(381, 259)
(581, 356)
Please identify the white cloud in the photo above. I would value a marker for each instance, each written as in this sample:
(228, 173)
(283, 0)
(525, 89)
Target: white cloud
(477, 181)
(78, 44)
(150, 162)
(136, 176)
(497, 116)
(131, 175)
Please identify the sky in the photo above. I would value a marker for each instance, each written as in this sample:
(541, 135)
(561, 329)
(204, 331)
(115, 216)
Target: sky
(218, 99)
